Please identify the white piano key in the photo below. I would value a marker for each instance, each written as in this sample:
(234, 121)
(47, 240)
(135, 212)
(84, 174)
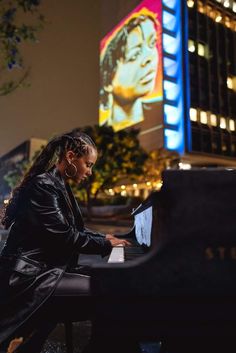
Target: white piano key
(117, 254)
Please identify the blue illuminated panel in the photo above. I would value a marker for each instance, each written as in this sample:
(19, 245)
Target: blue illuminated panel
(173, 86)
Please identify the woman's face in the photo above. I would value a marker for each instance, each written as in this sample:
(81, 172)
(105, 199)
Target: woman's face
(136, 72)
(84, 165)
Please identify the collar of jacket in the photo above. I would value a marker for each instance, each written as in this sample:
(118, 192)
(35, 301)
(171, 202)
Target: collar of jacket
(70, 199)
(54, 172)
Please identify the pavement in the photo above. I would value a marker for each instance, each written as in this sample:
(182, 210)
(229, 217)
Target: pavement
(56, 341)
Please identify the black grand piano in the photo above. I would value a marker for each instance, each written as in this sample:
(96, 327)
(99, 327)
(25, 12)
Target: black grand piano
(179, 288)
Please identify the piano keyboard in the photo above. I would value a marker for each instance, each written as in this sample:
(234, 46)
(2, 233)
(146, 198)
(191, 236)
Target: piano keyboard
(117, 254)
(121, 254)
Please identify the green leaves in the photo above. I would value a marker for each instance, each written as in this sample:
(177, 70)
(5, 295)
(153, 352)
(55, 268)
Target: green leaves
(14, 176)
(120, 155)
(20, 22)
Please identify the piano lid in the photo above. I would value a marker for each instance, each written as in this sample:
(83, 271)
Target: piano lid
(194, 239)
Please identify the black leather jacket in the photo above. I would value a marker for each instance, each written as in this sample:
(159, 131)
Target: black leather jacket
(44, 241)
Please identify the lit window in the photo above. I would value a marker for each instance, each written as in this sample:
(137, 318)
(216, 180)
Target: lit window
(226, 3)
(193, 114)
(218, 0)
(123, 187)
(223, 123)
(231, 125)
(201, 7)
(135, 186)
(123, 193)
(190, 3)
(234, 6)
(191, 46)
(213, 120)
(203, 117)
(224, 147)
(230, 82)
(227, 21)
(211, 13)
(209, 10)
(218, 17)
(201, 49)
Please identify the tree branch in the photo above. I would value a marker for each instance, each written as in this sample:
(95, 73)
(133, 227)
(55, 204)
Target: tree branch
(11, 86)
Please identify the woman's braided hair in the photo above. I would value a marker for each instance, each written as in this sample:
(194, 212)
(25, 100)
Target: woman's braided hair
(53, 152)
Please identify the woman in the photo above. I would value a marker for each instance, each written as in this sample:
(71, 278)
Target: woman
(46, 234)
(128, 70)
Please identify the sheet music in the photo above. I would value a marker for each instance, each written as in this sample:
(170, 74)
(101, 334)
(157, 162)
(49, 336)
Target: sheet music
(143, 226)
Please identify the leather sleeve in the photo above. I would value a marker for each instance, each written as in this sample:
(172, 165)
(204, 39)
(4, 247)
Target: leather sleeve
(58, 231)
(94, 233)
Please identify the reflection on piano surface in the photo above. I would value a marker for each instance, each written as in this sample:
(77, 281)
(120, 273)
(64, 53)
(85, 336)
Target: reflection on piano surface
(177, 288)
(140, 235)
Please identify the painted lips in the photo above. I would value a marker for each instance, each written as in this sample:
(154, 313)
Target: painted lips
(150, 76)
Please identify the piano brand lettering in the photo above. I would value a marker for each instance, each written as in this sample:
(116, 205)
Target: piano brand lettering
(220, 253)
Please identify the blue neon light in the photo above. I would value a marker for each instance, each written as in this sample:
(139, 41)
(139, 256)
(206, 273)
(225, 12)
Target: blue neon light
(173, 86)
(170, 67)
(171, 4)
(169, 21)
(173, 114)
(171, 90)
(173, 139)
(171, 44)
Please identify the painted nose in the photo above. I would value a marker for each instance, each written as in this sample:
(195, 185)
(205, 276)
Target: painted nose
(147, 56)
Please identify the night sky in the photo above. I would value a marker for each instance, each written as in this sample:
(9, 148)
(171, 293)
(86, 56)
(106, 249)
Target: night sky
(64, 76)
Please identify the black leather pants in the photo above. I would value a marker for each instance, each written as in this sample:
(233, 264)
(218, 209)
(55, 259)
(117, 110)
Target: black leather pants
(71, 301)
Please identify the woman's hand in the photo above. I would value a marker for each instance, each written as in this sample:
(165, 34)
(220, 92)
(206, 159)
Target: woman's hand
(117, 241)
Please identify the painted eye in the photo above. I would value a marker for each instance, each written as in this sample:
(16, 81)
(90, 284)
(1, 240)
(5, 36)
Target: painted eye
(134, 55)
(153, 42)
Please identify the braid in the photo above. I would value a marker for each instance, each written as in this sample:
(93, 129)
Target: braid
(80, 142)
(53, 152)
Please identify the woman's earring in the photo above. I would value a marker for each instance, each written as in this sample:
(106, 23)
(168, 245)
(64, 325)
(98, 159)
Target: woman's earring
(73, 174)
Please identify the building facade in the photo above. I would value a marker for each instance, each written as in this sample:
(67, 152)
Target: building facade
(212, 75)
(14, 159)
(196, 113)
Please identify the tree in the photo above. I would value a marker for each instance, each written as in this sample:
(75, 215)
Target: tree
(20, 22)
(120, 156)
(15, 174)
(157, 161)
(16, 171)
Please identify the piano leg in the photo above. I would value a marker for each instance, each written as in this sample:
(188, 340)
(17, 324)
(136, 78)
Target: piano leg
(113, 341)
(114, 345)
(69, 336)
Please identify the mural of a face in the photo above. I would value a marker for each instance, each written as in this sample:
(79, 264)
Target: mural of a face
(136, 72)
